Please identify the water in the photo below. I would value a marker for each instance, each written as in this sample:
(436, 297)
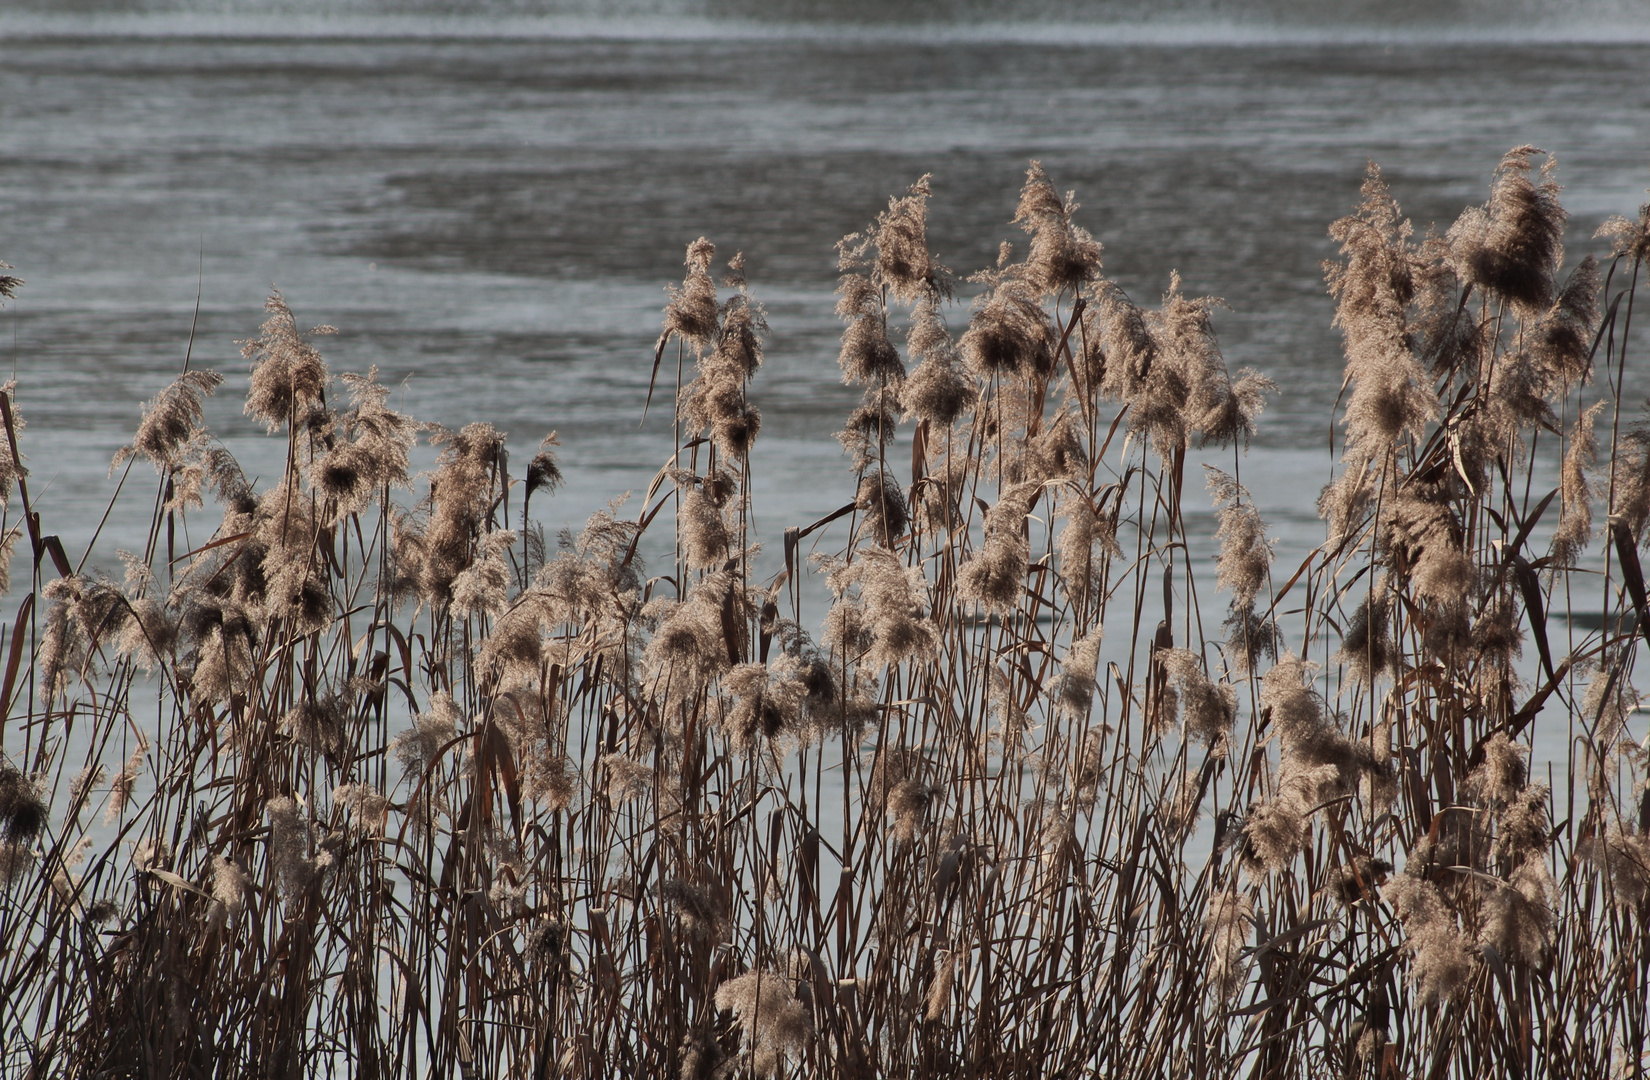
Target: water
(487, 200)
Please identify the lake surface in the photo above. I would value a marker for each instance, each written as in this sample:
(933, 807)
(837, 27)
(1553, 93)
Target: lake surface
(488, 203)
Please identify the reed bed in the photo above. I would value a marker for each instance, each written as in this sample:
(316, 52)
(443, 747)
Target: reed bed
(380, 781)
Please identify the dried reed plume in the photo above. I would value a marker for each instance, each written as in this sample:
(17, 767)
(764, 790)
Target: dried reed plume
(768, 1013)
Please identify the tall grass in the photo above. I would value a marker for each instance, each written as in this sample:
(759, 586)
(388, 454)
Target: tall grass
(379, 782)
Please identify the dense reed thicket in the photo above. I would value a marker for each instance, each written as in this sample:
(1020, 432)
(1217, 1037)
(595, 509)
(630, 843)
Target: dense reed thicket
(379, 782)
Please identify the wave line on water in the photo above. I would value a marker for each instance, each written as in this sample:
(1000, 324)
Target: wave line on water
(1151, 33)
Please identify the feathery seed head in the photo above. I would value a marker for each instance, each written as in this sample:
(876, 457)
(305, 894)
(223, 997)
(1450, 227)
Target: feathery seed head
(1377, 278)
(1009, 335)
(551, 780)
(1063, 256)
(1235, 408)
(627, 779)
(1297, 712)
(16, 857)
(1630, 470)
(1366, 647)
(418, 746)
(381, 436)
(1373, 289)
(223, 661)
(1518, 916)
(1088, 768)
(1226, 928)
(940, 986)
(690, 646)
(908, 804)
(288, 375)
(1180, 807)
(1356, 882)
(884, 514)
(1497, 636)
(1524, 826)
(1249, 636)
(995, 575)
(99, 611)
(1441, 963)
(770, 1015)
(768, 703)
(1007, 710)
(1513, 244)
(150, 853)
(1424, 538)
(1346, 502)
(1610, 699)
(698, 908)
(893, 596)
(546, 940)
(290, 839)
(23, 808)
(229, 888)
(1629, 239)
(483, 586)
(82, 784)
(1076, 693)
(1563, 339)
(1623, 856)
(900, 236)
(63, 649)
(345, 475)
(1056, 452)
(926, 335)
(365, 804)
(1245, 552)
(1127, 340)
(172, 421)
(316, 724)
(705, 537)
(691, 312)
(870, 427)
(1575, 527)
(1189, 386)
(544, 471)
(11, 469)
(1390, 399)
(939, 390)
(1207, 709)
(1276, 830)
(867, 357)
(739, 342)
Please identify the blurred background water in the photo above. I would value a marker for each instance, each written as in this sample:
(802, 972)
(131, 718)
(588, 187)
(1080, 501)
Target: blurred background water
(487, 198)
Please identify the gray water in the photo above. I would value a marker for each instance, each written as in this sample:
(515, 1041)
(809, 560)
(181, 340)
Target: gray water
(487, 200)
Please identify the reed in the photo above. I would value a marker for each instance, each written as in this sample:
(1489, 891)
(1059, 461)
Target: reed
(378, 782)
